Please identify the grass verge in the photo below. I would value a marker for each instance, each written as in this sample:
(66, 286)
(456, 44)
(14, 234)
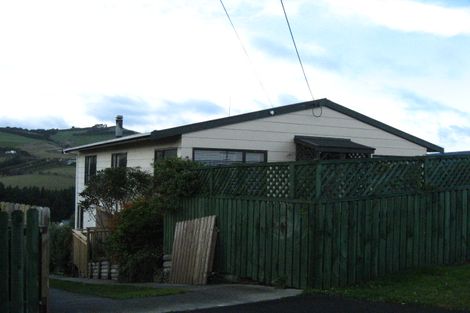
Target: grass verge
(112, 291)
(446, 287)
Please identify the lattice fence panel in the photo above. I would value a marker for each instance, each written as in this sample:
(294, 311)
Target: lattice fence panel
(371, 177)
(338, 179)
(278, 181)
(304, 181)
(444, 172)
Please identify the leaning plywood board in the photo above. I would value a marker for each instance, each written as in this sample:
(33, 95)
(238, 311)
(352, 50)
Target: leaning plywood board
(193, 251)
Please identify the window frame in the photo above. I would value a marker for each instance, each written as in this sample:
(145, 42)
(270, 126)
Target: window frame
(243, 151)
(88, 167)
(115, 159)
(164, 152)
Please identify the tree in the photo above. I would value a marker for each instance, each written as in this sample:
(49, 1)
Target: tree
(112, 189)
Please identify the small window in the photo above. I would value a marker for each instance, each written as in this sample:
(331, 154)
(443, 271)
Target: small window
(90, 167)
(119, 160)
(165, 154)
(227, 157)
(255, 157)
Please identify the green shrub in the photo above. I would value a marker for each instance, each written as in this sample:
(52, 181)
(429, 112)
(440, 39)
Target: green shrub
(113, 188)
(136, 242)
(60, 238)
(174, 179)
(137, 239)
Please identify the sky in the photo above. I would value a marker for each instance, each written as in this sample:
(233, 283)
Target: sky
(163, 63)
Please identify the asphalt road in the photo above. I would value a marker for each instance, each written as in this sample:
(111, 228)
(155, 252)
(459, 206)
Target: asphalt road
(218, 300)
(323, 304)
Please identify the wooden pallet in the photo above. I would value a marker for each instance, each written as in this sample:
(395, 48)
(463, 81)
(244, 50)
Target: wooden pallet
(193, 251)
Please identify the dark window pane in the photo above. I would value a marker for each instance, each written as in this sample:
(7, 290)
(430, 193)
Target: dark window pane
(227, 157)
(90, 167)
(119, 160)
(254, 157)
(165, 154)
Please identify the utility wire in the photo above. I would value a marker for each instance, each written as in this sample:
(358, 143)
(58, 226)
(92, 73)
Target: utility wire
(246, 53)
(296, 50)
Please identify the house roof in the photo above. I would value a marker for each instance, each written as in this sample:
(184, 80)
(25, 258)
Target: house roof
(110, 142)
(169, 132)
(158, 135)
(332, 144)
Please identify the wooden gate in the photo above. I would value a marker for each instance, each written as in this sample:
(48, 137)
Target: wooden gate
(24, 258)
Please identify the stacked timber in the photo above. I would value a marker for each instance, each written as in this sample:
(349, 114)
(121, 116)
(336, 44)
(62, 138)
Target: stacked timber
(166, 267)
(114, 275)
(103, 270)
(94, 270)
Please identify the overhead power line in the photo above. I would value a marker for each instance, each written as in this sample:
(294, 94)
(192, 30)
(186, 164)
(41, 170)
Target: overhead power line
(296, 50)
(246, 53)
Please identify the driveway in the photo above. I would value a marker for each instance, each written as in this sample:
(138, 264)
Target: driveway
(196, 297)
(225, 298)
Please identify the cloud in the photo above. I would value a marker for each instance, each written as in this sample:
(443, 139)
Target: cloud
(34, 123)
(407, 15)
(142, 115)
(448, 3)
(171, 113)
(456, 137)
(105, 108)
(416, 102)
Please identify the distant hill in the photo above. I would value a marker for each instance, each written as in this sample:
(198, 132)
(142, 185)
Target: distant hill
(34, 157)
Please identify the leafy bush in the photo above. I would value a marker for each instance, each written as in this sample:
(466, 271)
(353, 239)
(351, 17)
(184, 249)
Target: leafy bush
(60, 238)
(136, 242)
(174, 179)
(137, 239)
(114, 188)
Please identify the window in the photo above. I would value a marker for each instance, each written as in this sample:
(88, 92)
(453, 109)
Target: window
(165, 154)
(119, 159)
(228, 156)
(90, 167)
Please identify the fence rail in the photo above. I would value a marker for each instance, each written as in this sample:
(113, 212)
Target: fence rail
(24, 260)
(89, 246)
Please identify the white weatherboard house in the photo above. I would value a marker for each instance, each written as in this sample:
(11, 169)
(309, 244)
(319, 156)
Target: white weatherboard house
(319, 129)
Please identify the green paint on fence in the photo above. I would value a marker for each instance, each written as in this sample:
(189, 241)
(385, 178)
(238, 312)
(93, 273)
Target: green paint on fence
(330, 224)
(4, 263)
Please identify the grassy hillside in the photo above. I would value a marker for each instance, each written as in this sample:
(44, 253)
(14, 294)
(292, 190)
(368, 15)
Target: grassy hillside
(34, 157)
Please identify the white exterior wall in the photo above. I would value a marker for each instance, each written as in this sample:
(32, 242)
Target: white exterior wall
(137, 156)
(276, 135)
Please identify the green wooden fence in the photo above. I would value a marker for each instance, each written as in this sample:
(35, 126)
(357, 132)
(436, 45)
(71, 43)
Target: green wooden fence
(334, 242)
(23, 246)
(331, 244)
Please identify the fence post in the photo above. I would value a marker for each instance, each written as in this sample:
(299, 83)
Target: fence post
(4, 266)
(32, 261)
(318, 175)
(425, 174)
(17, 261)
(211, 183)
(291, 180)
(44, 242)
